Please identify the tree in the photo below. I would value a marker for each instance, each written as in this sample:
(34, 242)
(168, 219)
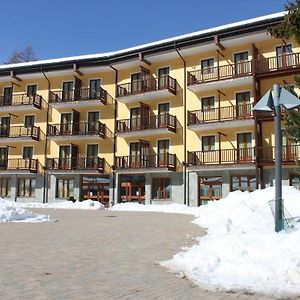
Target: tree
(22, 56)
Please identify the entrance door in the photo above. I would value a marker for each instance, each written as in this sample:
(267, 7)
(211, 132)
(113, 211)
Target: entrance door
(96, 188)
(94, 92)
(92, 156)
(244, 141)
(7, 96)
(5, 126)
(163, 151)
(93, 122)
(68, 91)
(243, 108)
(3, 157)
(65, 157)
(65, 123)
(241, 63)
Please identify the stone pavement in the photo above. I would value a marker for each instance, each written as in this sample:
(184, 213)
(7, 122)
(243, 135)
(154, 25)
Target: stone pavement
(98, 255)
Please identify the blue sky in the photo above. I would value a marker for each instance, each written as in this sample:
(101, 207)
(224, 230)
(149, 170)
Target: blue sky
(58, 28)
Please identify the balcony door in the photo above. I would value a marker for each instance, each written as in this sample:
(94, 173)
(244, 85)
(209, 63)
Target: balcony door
(93, 122)
(3, 157)
(163, 114)
(209, 112)
(92, 156)
(77, 90)
(241, 63)
(68, 91)
(139, 154)
(163, 151)
(136, 83)
(5, 126)
(207, 69)
(65, 157)
(209, 155)
(284, 56)
(7, 95)
(244, 144)
(94, 92)
(243, 108)
(163, 77)
(31, 90)
(66, 123)
(289, 149)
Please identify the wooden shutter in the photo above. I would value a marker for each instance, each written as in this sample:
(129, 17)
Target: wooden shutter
(75, 124)
(78, 85)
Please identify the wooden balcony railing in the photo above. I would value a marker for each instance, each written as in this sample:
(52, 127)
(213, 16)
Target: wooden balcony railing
(222, 156)
(20, 132)
(290, 154)
(150, 122)
(21, 99)
(147, 85)
(15, 164)
(147, 161)
(227, 113)
(83, 94)
(81, 128)
(275, 63)
(76, 163)
(218, 73)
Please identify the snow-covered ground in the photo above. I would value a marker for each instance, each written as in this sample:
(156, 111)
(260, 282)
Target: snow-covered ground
(11, 212)
(86, 204)
(241, 249)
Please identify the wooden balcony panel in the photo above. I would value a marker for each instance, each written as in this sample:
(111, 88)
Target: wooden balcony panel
(20, 102)
(152, 161)
(19, 133)
(19, 164)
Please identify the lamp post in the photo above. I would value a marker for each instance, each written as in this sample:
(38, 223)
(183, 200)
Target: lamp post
(268, 103)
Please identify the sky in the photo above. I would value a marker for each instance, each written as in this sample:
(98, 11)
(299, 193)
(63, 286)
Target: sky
(59, 28)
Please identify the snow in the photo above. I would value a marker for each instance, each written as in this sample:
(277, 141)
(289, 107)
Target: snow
(11, 212)
(241, 250)
(141, 47)
(86, 205)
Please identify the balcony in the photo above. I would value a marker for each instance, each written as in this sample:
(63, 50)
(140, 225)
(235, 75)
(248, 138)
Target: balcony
(84, 130)
(145, 89)
(221, 157)
(19, 164)
(152, 125)
(19, 133)
(20, 102)
(233, 116)
(220, 77)
(79, 97)
(166, 162)
(284, 64)
(79, 163)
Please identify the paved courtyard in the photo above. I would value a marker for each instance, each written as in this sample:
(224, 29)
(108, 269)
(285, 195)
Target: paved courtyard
(98, 255)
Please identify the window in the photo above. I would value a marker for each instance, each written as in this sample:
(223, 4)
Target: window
(207, 103)
(5, 187)
(26, 187)
(68, 90)
(163, 77)
(92, 156)
(31, 90)
(7, 95)
(243, 106)
(243, 183)
(208, 143)
(64, 188)
(161, 188)
(27, 152)
(210, 188)
(94, 88)
(93, 122)
(244, 145)
(29, 121)
(207, 68)
(242, 65)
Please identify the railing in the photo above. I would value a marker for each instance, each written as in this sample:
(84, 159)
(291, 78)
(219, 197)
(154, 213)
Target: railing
(21, 99)
(223, 156)
(147, 85)
(290, 154)
(150, 122)
(233, 112)
(222, 72)
(146, 161)
(25, 164)
(276, 63)
(82, 94)
(81, 128)
(20, 131)
(76, 163)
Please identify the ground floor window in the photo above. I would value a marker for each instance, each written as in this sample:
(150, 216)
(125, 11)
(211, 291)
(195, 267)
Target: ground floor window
(161, 188)
(295, 181)
(64, 188)
(5, 187)
(243, 183)
(132, 188)
(210, 188)
(26, 187)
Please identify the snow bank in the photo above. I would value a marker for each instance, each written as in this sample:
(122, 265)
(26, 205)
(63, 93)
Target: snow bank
(86, 204)
(241, 249)
(9, 212)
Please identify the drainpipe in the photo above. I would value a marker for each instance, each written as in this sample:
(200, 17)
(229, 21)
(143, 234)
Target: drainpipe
(45, 191)
(185, 187)
(115, 137)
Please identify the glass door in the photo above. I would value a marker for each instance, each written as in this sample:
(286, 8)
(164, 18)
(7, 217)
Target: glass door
(163, 78)
(136, 83)
(93, 122)
(92, 156)
(94, 92)
(207, 69)
(135, 155)
(163, 114)
(135, 118)
(68, 91)
(241, 63)
(244, 147)
(65, 123)
(3, 157)
(163, 151)
(7, 96)
(65, 157)
(284, 56)
(5, 126)
(243, 107)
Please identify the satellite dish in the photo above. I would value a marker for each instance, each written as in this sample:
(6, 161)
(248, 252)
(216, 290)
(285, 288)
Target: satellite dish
(265, 103)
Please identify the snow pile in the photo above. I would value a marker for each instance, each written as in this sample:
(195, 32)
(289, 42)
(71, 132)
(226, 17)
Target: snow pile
(86, 204)
(9, 212)
(165, 208)
(241, 249)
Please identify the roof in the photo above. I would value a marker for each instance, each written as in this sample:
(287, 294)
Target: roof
(182, 40)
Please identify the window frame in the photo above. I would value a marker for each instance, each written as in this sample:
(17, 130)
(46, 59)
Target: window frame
(161, 193)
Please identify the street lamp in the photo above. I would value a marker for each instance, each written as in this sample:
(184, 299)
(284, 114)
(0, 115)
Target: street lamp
(268, 103)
